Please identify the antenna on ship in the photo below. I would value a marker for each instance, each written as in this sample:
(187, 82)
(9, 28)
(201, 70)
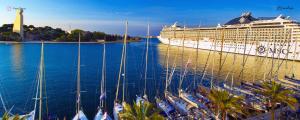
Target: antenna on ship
(200, 24)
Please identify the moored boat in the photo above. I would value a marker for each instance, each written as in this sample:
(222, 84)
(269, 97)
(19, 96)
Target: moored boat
(190, 99)
(181, 106)
(100, 115)
(165, 107)
(292, 79)
(118, 108)
(80, 116)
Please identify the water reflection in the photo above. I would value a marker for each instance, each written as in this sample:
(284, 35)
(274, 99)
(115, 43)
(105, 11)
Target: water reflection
(222, 66)
(16, 59)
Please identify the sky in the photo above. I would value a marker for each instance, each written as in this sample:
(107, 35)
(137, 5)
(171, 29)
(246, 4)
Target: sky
(110, 15)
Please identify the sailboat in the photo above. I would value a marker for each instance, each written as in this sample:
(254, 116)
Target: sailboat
(165, 107)
(195, 107)
(39, 88)
(100, 115)
(187, 97)
(163, 104)
(79, 113)
(292, 79)
(139, 99)
(118, 107)
(180, 105)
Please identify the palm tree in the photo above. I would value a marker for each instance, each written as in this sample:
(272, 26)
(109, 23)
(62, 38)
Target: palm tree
(144, 111)
(15, 117)
(223, 103)
(275, 93)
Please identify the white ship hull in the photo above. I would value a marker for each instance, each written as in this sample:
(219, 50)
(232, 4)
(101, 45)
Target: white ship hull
(262, 49)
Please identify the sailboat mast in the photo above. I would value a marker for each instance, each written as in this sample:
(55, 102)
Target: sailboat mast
(244, 55)
(196, 66)
(182, 63)
(36, 95)
(3, 104)
(41, 76)
(294, 58)
(213, 60)
(103, 74)
(121, 65)
(78, 78)
(167, 71)
(146, 62)
(124, 68)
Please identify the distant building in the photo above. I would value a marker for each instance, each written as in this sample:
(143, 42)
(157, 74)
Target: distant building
(18, 24)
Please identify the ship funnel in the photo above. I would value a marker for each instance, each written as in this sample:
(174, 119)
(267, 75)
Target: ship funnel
(246, 14)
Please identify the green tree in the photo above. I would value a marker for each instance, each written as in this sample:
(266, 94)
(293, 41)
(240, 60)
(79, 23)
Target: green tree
(10, 36)
(87, 36)
(145, 111)
(275, 93)
(75, 35)
(223, 103)
(6, 28)
(15, 36)
(61, 38)
(98, 35)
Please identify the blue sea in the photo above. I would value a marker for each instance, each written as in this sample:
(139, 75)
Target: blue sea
(19, 70)
(19, 67)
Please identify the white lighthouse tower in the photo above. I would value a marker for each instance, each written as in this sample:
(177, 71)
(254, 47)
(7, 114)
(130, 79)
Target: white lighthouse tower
(18, 24)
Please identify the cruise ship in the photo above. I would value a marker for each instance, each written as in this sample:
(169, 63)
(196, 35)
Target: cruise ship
(274, 37)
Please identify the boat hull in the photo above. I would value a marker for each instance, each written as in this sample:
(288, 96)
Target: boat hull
(117, 109)
(80, 116)
(262, 49)
(179, 104)
(102, 116)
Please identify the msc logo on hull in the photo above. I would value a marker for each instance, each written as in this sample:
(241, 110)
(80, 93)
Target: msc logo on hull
(262, 50)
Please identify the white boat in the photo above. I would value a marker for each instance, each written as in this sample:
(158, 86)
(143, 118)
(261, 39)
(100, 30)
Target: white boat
(100, 115)
(251, 99)
(238, 91)
(203, 99)
(29, 116)
(117, 109)
(140, 99)
(80, 116)
(165, 107)
(256, 103)
(251, 85)
(181, 106)
(292, 79)
(39, 89)
(238, 34)
(191, 99)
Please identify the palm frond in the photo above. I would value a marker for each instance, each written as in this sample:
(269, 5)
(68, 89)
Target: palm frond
(140, 111)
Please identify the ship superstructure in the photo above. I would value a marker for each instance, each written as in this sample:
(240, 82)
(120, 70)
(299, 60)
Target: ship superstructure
(276, 37)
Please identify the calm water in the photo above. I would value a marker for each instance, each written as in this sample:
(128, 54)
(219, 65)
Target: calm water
(19, 67)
